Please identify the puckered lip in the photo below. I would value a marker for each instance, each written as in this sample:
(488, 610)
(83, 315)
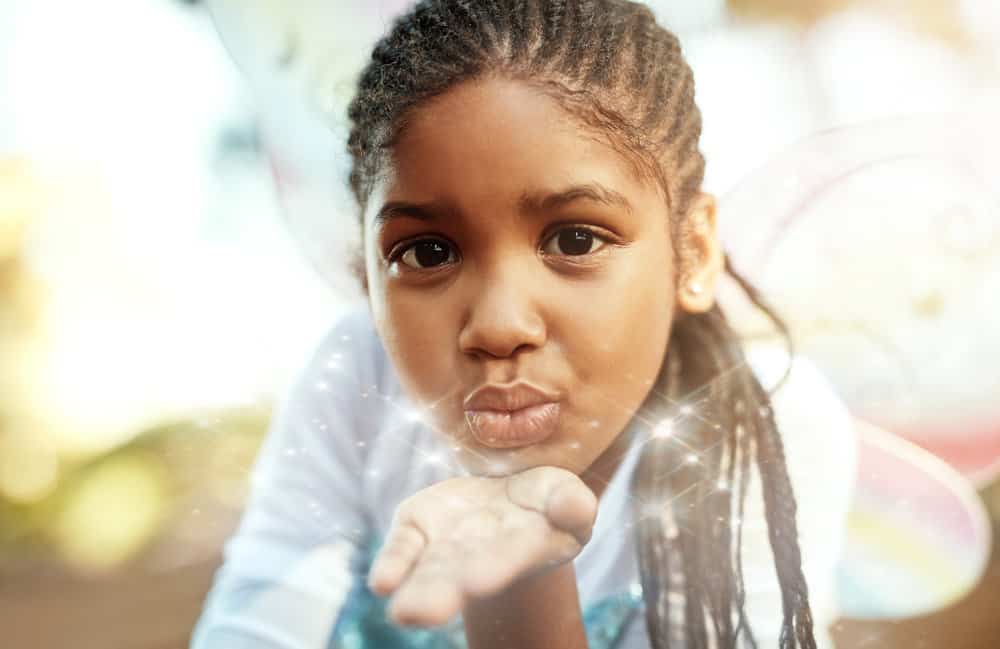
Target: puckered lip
(508, 397)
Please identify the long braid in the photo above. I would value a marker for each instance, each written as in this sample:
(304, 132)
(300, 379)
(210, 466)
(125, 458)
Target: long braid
(703, 510)
(780, 507)
(610, 65)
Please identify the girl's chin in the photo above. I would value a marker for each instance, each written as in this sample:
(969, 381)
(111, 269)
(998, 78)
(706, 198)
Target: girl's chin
(498, 463)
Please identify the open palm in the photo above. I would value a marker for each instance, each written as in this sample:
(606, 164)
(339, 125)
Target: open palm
(472, 537)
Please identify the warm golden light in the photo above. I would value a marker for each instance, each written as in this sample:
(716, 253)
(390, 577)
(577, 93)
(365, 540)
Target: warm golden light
(28, 471)
(112, 513)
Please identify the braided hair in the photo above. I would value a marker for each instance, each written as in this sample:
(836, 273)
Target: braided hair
(610, 65)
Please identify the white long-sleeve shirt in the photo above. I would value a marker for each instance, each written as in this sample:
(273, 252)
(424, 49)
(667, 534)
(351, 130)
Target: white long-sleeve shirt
(344, 450)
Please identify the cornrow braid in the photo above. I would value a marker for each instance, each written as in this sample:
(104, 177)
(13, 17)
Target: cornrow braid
(608, 49)
(643, 25)
(612, 67)
(553, 16)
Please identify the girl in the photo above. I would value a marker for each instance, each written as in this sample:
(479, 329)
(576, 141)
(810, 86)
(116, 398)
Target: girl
(541, 431)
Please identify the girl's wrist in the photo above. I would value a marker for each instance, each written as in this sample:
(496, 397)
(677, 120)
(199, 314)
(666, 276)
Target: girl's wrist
(542, 611)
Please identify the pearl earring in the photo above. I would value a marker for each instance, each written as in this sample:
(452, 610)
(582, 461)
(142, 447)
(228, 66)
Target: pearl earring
(695, 288)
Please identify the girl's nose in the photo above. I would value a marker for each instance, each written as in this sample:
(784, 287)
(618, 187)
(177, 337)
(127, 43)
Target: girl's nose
(502, 319)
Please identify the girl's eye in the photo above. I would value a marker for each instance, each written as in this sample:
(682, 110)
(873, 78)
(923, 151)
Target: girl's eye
(427, 253)
(574, 241)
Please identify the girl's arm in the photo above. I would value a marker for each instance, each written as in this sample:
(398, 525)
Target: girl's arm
(541, 612)
(291, 566)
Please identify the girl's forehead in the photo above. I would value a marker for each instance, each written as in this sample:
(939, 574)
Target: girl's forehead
(492, 118)
(498, 138)
(497, 98)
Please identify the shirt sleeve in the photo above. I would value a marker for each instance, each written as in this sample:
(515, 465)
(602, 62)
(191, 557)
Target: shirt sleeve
(295, 558)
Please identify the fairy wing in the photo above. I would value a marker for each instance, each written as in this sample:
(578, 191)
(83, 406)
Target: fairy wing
(879, 246)
(300, 60)
(917, 537)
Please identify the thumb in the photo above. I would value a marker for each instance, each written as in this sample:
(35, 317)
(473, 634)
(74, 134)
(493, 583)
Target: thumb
(560, 495)
(572, 507)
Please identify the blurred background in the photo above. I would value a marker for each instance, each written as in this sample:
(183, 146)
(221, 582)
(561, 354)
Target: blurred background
(175, 233)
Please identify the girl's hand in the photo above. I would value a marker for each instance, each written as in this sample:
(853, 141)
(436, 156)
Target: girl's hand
(472, 537)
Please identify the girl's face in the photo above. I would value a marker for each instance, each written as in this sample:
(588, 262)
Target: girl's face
(508, 245)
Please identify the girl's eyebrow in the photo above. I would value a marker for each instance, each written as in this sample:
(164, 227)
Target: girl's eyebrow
(396, 209)
(547, 201)
(530, 203)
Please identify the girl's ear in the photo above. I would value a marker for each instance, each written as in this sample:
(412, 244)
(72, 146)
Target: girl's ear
(701, 260)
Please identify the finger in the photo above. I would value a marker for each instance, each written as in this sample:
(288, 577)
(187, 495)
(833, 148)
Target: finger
(430, 595)
(559, 495)
(404, 543)
(531, 488)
